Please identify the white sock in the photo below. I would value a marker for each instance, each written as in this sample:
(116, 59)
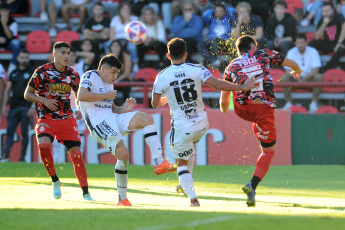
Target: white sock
(186, 180)
(152, 140)
(190, 164)
(121, 178)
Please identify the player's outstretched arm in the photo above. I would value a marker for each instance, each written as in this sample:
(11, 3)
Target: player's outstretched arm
(296, 70)
(30, 95)
(224, 101)
(128, 106)
(85, 95)
(223, 85)
(158, 101)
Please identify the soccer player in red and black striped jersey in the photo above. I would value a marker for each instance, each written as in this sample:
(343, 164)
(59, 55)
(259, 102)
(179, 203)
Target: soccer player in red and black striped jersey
(50, 87)
(256, 105)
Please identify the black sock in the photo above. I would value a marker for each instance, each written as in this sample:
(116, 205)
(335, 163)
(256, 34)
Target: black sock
(55, 178)
(255, 181)
(85, 190)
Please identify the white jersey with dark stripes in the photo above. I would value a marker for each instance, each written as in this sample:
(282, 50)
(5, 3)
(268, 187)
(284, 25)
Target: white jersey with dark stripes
(181, 85)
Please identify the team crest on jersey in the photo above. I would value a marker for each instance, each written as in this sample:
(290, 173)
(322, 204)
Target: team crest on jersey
(68, 79)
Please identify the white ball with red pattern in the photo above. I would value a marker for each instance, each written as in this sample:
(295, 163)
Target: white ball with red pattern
(136, 32)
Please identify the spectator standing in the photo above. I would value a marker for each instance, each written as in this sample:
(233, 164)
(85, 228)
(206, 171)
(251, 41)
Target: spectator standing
(188, 26)
(309, 60)
(156, 38)
(125, 72)
(54, 7)
(21, 110)
(2, 83)
(219, 21)
(330, 35)
(281, 28)
(97, 27)
(76, 5)
(117, 31)
(8, 34)
(248, 24)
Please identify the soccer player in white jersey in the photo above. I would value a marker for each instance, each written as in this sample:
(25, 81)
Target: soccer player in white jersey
(107, 123)
(181, 85)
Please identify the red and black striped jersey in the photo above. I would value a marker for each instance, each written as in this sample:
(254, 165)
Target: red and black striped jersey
(254, 64)
(52, 84)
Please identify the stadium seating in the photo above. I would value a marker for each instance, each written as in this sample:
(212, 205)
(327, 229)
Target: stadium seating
(38, 42)
(67, 36)
(216, 73)
(276, 75)
(334, 75)
(298, 109)
(327, 109)
(146, 74)
(292, 5)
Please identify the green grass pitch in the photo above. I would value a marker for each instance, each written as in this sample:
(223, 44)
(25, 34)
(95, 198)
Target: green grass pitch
(290, 197)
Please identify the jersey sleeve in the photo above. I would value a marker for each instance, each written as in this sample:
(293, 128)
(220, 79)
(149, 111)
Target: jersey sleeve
(158, 86)
(35, 79)
(87, 81)
(205, 74)
(275, 57)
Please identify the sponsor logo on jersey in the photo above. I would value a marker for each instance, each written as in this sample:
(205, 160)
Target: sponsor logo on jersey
(103, 106)
(248, 61)
(188, 105)
(59, 87)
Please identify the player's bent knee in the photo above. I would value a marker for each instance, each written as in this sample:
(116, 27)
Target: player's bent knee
(121, 151)
(267, 145)
(44, 146)
(146, 118)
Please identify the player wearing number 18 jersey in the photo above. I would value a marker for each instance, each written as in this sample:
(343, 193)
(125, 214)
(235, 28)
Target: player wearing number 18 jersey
(181, 85)
(256, 105)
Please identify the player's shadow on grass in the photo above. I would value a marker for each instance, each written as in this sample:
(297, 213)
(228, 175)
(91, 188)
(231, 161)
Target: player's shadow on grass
(163, 193)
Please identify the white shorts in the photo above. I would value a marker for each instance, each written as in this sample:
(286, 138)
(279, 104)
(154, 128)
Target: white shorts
(110, 131)
(182, 142)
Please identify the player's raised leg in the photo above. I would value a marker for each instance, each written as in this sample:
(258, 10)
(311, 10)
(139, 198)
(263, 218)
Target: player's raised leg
(144, 121)
(121, 167)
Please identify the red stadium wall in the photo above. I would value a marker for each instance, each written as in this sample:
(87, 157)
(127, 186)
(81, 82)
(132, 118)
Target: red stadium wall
(229, 141)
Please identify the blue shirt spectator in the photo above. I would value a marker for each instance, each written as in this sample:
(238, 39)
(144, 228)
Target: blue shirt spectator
(187, 29)
(219, 26)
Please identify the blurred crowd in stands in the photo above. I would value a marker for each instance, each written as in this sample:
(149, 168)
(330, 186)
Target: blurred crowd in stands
(300, 29)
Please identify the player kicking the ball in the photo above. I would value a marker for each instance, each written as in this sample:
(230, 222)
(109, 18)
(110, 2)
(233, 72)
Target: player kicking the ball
(181, 85)
(107, 122)
(257, 105)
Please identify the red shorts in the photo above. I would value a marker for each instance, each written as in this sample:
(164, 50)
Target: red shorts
(262, 116)
(62, 130)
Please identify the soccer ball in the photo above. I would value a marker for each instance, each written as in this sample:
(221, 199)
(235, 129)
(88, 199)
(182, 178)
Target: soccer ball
(136, 32)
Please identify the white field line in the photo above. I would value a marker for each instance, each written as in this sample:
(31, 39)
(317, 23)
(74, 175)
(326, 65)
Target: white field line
(190, 224)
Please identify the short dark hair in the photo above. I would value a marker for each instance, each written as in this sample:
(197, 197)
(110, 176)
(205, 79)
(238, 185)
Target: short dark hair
(23, 51)
(301, 36)
(243, 43)
(59, 45)
(176, 48)
(327, 4)
(279, 2)
(110, 60)
(220, 4)
(98, 4)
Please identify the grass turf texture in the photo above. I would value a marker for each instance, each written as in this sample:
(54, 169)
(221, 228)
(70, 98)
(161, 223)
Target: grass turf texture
(290, 197)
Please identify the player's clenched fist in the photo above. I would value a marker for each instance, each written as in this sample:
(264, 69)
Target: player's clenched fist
(111, 95)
